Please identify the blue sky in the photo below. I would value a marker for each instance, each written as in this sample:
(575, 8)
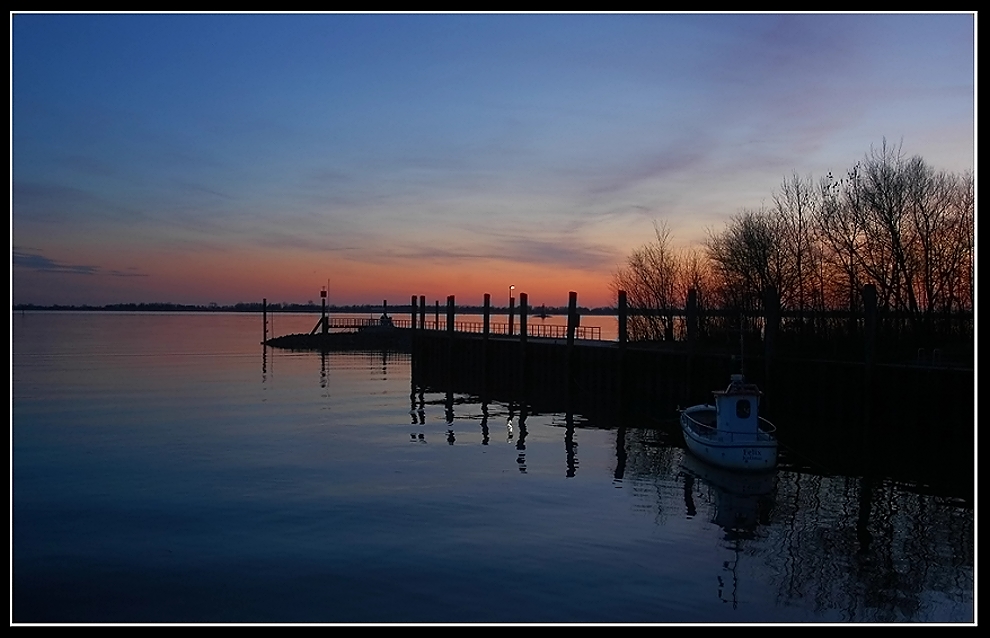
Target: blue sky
(195, 158)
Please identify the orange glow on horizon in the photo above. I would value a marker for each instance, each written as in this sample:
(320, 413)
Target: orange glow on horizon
(229, 277)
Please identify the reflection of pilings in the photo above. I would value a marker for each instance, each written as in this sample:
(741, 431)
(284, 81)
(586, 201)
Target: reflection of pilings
(620, 453)
(484, 423)
(521, 441)
(570, 447)
(584, 378)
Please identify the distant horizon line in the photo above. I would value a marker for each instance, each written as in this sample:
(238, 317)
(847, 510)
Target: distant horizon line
(257, 306)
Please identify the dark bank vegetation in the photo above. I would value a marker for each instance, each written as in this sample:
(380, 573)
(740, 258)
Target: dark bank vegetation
(891, 221)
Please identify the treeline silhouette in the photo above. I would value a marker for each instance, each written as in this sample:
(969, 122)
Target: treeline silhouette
(892, 222)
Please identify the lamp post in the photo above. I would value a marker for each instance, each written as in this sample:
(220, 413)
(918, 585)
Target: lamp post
(512, 303)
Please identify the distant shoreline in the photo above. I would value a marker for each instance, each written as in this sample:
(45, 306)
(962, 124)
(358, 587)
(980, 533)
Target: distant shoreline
(299, 308)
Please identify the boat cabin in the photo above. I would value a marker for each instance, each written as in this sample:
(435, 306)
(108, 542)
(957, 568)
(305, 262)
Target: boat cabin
(736, 407)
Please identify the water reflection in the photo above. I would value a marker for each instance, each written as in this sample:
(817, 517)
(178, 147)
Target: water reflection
(521, 441)
(121, 461)
(570, 446)
(620, 456)
(742, 501)
(323, 370)
(860, 549)
(484, 423)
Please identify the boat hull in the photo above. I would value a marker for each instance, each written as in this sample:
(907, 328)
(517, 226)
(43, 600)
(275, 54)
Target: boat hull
(750, 452)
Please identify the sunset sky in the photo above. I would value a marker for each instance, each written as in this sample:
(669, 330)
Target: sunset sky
(194, 158)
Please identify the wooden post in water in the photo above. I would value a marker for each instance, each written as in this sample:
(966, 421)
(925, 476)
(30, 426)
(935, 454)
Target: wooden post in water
(869, 324)
(869, 342)
(450, 339)
(436, 316)
(523, 311)
(771, 323)
(572, 320)
(412, 314)
(512, 310)
(623, 308)
(450, 315)
(523, 316)
(264, 319)
(486, 325)
(486, 316)
(422, 312)
(692, 319)
(323, 312)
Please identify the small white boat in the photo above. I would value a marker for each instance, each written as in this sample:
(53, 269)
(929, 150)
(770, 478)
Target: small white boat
(731, 434)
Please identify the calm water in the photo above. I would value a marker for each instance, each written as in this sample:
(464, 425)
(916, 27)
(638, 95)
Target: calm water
(167, 469)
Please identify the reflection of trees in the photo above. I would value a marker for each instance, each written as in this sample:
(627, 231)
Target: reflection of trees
(870, 552)
(651, 471)
(856, 549)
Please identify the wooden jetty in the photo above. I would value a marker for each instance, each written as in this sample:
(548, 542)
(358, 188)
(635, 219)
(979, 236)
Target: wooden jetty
(573, 366)
(904, 410)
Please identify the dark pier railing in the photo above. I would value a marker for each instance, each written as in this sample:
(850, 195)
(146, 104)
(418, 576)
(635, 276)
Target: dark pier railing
(544, 331)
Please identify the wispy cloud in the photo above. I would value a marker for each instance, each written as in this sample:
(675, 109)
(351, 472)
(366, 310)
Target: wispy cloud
(37, 262)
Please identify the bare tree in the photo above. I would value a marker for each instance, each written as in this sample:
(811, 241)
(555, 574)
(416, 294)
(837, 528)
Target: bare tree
(839, 228)
(794, 204)
(651, 279)
(882, 190)
(749, 256)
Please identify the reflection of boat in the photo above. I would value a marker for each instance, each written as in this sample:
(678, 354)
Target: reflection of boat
(731, 433)
(742, 503)
(741, 499)
(734, 482)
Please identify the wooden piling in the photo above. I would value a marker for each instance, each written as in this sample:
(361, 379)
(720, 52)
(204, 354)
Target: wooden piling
(523, 311)
(486, 329)
(771, 324)
(623, 319)
(523, 316)
(450, 334)
(450, 316)
(486, 315)
(512, 310)
(623, 309)
(869, 323)
(323, 312)
(572, 319)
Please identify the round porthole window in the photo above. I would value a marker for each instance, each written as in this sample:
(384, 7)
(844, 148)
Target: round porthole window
(742, 408)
